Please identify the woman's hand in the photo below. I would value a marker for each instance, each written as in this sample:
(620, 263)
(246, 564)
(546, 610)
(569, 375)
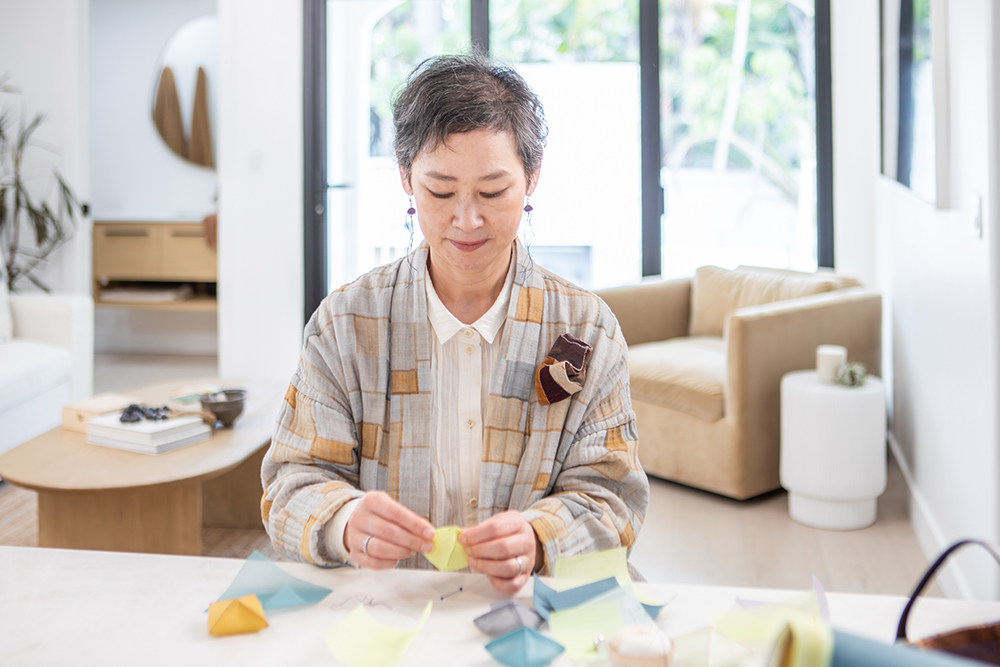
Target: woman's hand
(381, 532)
(505, 549)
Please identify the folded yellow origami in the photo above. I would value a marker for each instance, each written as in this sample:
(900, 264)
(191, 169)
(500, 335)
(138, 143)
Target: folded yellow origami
(448, 554)
(235, 617)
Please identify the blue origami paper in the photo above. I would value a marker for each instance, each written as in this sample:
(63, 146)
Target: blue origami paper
(547, 599)
(652, 609)
(273, 587)
(524, 648)
(506, 617)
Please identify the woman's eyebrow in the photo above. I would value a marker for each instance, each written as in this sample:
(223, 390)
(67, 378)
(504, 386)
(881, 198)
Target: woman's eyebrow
(438, 176)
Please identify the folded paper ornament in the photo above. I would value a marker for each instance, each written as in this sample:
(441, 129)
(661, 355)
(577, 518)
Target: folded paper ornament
(273, 587)
(236, 617)
(447, 555)
(524, 648)
(547, 600)
(506, 617)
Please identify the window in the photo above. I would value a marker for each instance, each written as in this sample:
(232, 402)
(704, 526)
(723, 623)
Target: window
(714, 156)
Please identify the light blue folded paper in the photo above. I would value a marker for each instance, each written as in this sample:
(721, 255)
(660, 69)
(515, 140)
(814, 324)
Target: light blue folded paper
(506, 617)
(546, 599)
(273, 587)
(524, 648)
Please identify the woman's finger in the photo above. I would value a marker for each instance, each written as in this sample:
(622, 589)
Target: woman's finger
(388, 509)
(379, 549)
(508, 568)
(519, 544)
(389, 533)
(496, 527)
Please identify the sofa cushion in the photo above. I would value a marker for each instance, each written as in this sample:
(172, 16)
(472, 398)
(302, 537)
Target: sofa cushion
(717, 292)
(684, 374)
(29, 368)
(6, 322)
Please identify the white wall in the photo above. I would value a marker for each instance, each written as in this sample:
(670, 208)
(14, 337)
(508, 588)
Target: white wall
(260, 188)
(935, 275)
(43, 48)
(134, 174)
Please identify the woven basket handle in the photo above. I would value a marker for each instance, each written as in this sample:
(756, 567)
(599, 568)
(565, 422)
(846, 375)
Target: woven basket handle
(931, 571)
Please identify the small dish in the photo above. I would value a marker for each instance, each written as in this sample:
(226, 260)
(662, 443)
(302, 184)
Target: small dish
(226, 405)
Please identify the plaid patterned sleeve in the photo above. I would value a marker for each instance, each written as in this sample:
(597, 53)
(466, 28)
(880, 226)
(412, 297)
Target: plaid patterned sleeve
(312, 467)
(599, 497)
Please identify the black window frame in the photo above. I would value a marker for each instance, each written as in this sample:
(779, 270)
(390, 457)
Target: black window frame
(314, 137)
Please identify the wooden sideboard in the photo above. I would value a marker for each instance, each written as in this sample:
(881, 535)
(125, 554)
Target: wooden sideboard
(154, 255)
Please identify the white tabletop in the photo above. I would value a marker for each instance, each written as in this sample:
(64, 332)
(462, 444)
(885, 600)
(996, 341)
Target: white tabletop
(67, 607)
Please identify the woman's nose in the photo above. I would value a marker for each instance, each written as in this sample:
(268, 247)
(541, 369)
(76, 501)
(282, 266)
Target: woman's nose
(467, 216)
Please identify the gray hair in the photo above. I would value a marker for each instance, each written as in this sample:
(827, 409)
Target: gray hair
(448, 95)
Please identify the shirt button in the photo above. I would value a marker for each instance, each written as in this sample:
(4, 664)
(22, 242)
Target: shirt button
(473, 503)
(469, 349)
(470, 422)
(468, 333)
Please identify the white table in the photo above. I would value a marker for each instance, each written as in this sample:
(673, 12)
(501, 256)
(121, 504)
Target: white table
(832, 450)
(61, 606)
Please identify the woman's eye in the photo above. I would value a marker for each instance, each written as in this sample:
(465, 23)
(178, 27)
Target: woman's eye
(491, 195)
(440, 195)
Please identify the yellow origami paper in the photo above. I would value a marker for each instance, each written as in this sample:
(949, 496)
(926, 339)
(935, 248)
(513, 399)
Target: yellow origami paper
(447, 554)
(583, 629)
(236, 617)
(708, 648)
(361, 641)
(594, 566)
(757, 628)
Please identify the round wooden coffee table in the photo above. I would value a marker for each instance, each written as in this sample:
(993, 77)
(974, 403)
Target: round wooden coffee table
(93, 497)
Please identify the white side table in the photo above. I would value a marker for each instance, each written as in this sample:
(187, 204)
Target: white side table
(832, 450)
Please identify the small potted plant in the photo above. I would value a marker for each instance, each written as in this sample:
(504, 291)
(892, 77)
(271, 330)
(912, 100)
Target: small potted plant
(50, 220)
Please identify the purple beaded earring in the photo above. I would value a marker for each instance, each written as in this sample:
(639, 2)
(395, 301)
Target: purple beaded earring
(410, 212)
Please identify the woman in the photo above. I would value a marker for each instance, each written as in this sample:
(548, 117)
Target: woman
(461, 385)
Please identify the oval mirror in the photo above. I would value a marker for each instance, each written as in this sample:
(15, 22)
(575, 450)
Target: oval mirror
(184, 99)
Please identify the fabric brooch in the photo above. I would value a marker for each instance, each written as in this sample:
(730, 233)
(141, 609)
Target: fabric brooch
(562, 373)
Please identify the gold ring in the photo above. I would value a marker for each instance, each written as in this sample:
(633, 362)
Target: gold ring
(520, 568)
(364, 547)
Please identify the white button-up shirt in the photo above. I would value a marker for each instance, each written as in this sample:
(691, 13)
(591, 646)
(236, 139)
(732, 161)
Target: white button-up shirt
(463, 357)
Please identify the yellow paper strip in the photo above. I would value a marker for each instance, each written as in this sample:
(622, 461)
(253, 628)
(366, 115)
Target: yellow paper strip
(361, 641)
(595, 566)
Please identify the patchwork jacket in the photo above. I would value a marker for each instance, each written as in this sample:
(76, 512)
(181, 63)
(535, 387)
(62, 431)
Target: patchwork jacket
(357, 417)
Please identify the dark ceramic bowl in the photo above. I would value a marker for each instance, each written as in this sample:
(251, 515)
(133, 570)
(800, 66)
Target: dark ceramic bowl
(226, 405)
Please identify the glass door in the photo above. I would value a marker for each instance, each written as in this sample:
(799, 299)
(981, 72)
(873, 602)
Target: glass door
(371, 46)
(738, 125)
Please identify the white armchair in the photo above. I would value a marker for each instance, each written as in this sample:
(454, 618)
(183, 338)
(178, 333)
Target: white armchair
(47, 363)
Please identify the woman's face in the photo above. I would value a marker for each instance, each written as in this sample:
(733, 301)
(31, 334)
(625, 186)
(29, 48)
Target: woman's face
(469, 194)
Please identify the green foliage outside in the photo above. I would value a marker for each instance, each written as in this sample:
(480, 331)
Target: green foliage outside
(776, 95)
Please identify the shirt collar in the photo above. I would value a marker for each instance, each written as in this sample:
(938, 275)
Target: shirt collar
(488, 326)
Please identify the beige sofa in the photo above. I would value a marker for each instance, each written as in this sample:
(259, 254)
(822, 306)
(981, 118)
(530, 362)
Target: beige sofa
(706, 357)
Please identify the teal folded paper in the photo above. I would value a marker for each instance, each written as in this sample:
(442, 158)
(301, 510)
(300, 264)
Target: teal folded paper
(524, 648)
(853, 651)
(546, 599)
(273, 587)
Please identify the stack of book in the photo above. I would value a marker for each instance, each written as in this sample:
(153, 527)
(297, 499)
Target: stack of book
(147, 436)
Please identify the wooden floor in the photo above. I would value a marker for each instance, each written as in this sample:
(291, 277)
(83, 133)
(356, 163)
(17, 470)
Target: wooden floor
(689, 536)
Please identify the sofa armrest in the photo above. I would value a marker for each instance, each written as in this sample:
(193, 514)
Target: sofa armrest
(765, 342)
(63, 320)
(651, 311)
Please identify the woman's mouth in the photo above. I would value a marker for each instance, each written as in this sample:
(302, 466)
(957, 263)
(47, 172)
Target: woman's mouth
(468, 247)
